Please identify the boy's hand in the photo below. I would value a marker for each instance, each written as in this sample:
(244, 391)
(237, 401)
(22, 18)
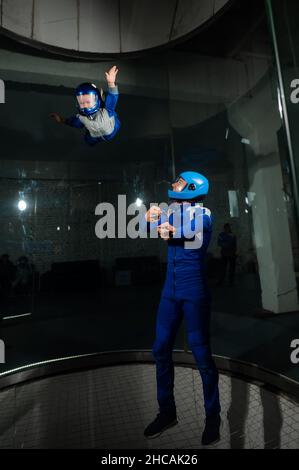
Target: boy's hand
(153, 214)
(165, 231)
(57, 118)
(111, 76)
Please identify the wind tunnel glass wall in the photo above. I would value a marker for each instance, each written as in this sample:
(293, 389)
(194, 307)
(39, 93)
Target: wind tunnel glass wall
(282, 20)
(209, 105)
(226, 123)
(78, 293)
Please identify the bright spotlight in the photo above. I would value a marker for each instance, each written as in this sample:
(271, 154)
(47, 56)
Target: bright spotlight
(22, 205)
(138, 202)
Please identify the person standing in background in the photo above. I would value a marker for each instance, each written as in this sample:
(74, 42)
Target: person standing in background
(228, 243)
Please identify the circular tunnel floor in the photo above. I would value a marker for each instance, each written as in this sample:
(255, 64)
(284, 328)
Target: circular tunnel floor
(109, 407)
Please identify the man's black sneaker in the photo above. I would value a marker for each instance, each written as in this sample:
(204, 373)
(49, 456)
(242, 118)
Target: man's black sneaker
(160, 424)
(211, 433)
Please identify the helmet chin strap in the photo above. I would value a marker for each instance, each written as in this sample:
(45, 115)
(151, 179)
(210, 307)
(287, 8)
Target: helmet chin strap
(92, 116)
(89, 116)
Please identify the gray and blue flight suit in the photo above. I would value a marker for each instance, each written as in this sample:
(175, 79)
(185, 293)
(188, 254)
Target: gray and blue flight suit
(101, 123)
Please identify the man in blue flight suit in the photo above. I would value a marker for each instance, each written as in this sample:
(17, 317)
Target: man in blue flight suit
(185, 294)
(97, 115)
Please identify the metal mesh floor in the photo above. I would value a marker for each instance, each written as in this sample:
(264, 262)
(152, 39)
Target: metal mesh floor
(109, 408)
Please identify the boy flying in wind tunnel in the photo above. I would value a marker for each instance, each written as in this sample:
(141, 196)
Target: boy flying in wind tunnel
(97, 115)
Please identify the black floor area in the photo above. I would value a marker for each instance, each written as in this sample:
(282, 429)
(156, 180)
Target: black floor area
(109, 407)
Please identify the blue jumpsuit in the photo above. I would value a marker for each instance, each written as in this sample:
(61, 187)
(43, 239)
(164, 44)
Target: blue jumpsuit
(109, 105)
(185, 294)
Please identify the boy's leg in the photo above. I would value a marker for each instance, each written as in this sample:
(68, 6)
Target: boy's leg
(169, 317)
(90, 140)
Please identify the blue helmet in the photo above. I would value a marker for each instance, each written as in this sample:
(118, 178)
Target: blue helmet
(193, 186)
(94, 102)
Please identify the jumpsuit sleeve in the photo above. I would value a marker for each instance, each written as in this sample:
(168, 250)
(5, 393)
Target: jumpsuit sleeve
(111, 100)
(188, 230)
(74, 121)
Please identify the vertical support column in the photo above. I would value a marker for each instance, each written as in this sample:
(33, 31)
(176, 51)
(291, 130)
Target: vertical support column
(284, 107)
(257, 118)
(272, 236)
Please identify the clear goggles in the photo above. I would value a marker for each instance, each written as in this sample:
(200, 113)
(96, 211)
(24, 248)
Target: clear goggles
(180, 184)
(87, 101)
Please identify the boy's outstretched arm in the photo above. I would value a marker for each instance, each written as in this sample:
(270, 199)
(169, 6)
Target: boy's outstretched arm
(72, 121)
(112, 94)
(111, 76)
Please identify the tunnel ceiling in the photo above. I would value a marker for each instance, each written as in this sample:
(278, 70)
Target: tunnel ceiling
(105, 26)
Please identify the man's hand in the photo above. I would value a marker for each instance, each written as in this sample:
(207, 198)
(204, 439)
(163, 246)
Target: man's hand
(165, 230)
(57, 118)
(153, 214)
(111, 76)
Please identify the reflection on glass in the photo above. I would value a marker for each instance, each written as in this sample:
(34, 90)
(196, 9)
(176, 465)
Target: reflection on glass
(233, 203)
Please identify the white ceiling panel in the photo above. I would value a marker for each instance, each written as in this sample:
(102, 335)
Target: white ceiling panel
(191, 14)
(219, 4)
(145, 24)
(17, 16)
(56, 23)
(99, 26)
(106, 26)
